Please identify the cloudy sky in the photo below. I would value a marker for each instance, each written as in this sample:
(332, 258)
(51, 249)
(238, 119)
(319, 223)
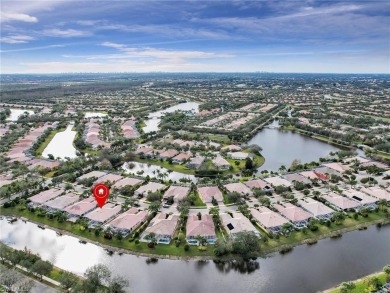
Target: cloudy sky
(56, 36)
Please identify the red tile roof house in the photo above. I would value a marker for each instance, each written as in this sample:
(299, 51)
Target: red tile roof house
(259, 184)
(128, 221)
(313, 175)
(163, 226)
(112, 178)
(150, 187)
(165, 155)
(82, 207)
(238, 223)
(240, 155)
(180, 158)
(195, 163)
(128, 181)
(377, 192)
(96, 174)
(316, 208)
(145, 151)
(207, 193)
(340, 202)
(268, 219)
(61, 202)
(293, 213)
(361, 198)
(177, 192)
(239, 187)
(203, 227)
(231, 147)
(101, 215)
(221, 163)
(45, 196)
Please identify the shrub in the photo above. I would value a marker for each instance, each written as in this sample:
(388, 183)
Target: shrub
(186, 247)
(136, 241)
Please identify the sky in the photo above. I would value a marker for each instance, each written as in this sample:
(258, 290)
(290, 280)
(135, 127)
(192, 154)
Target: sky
(55, 36)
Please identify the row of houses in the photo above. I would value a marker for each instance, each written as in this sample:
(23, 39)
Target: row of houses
(20, 151)
(91, 135)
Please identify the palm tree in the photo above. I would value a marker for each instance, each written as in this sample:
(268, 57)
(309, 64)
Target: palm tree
(382, 203)
(202, 240)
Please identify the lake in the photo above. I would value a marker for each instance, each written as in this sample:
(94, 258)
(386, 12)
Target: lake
(61, 146)
(153, 170)
(281, 147)
(155, 117)
(305, 269)
(15, 113)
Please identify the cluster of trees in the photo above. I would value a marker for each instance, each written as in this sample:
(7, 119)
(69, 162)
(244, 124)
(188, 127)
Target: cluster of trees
(245, 245)
(32, 262)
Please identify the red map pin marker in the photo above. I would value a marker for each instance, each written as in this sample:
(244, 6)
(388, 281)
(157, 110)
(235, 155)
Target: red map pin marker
(101, 192)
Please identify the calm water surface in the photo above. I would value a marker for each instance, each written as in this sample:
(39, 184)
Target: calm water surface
(305, 269)
(155, 117)
(15, 113)
(281, 147)
(154, 170)
(61, 146)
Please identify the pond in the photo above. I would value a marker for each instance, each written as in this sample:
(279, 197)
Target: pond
(281, 147)
(15, 113)
(155, 117)
(94, 114)
(61, 146)
(153, 172)
(305, 269)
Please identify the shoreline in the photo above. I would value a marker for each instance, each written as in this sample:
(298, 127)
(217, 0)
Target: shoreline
(286, 248)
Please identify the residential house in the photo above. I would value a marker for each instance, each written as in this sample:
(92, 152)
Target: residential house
(203, 227)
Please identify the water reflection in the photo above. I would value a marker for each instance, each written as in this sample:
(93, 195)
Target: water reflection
(153, 171)
(243, 267)
(305, 269)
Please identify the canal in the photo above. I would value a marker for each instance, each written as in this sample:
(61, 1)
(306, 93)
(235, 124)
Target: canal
(305, 269)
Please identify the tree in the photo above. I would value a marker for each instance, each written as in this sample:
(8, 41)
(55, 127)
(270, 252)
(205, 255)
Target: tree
(374, 282)
(95, 276)
(154, 206)
(25, 286)
(117, 285)
(41, 267)
(248, 164)
(246, 244)
(68, 280)
(9, 278)
(347, 287)
(386, 269)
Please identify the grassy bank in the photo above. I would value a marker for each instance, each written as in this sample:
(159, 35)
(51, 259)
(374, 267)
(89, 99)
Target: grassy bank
(270, 246)
(361, 284)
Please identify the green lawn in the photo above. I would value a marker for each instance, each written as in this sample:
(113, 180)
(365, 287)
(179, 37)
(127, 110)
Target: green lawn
(361, 284)
(198, 201)
(48, 139)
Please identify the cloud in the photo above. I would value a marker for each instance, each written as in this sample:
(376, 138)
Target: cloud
(65, 33)
(10, 16)
(16, 39)
(32, 48)
(163, 54)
